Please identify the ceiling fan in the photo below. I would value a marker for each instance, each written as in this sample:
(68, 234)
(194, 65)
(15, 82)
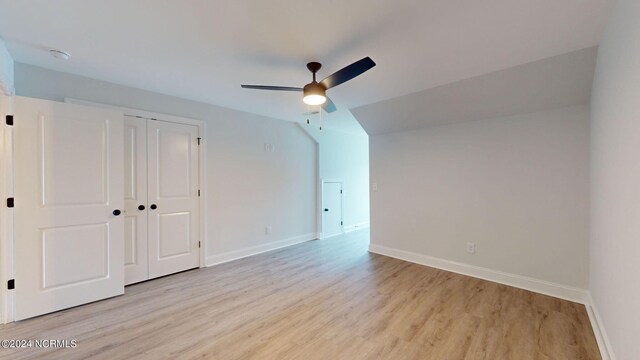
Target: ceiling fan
(314, 93)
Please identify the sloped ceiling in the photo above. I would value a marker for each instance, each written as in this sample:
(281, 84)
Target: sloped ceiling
(558, 81)
(203, 50)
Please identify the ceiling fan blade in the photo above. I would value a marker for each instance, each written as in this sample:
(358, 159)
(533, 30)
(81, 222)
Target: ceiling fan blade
(347, 73)
(329, 106)
(266, 87)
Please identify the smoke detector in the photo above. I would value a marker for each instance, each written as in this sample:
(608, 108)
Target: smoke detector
(59, 54)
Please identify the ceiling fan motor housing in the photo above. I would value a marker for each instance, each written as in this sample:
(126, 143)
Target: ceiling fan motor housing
(314, 88)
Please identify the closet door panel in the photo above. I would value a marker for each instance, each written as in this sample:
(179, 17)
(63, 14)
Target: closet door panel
(173, 197)
(135, 194)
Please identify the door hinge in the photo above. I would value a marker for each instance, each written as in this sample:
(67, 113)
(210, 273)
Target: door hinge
(11, 284)
(198, 244)
(340, 191)
(199, 140)
(9, 120)
(341, 223)
(10, 202)
(198, 192)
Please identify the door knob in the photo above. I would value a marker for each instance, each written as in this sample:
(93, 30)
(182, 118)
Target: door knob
(326, 209)
(141, 207)
(116, 212)
(153, 206)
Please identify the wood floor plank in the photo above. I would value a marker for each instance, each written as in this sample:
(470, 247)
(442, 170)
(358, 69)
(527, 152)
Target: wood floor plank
(328, 299)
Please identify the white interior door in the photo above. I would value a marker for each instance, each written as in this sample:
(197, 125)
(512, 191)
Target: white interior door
(136, 264)
(332, 209)
(68, 183)
(173, 197)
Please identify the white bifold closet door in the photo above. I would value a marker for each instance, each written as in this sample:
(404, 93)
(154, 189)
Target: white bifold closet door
(161, 187)
(68, 205)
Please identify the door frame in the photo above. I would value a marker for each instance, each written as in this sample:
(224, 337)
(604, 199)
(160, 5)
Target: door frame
(201, 156)
(321, 210)
(7, 243)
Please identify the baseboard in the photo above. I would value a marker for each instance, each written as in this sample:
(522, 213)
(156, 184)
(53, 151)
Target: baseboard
(254, 250)
(519, 281)
(354, 227)
(606, 351)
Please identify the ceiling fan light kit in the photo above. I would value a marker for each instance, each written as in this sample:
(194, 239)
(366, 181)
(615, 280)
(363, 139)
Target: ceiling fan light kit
(315, 93)
(313, 97)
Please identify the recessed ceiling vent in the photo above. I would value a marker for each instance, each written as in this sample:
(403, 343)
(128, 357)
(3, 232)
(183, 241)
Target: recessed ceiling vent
(59, 54)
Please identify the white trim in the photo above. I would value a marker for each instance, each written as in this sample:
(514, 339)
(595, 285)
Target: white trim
(606, 351)
(519, 281)
(7, 241)
(355, 227)
(258, 249)
(137, 112)
(7, 76)
(202, 155)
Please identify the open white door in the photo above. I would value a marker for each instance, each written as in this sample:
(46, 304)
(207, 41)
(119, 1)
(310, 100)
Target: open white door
(136, 267)
(68, 195)
(173, 197)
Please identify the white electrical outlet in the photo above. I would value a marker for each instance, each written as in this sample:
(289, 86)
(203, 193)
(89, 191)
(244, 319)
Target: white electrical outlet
(374, 186)
(267, 230)
(471, 248)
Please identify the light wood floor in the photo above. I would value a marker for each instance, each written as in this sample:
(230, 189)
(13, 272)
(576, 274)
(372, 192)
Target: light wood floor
(327, 299)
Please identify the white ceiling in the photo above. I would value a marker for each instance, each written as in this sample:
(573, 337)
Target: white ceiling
(559, 81)
(203, 50)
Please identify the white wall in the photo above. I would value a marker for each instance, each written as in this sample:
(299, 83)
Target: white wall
(615, 182)
(6, 70)
(516, 186)
(346, 157)
(248, 188)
